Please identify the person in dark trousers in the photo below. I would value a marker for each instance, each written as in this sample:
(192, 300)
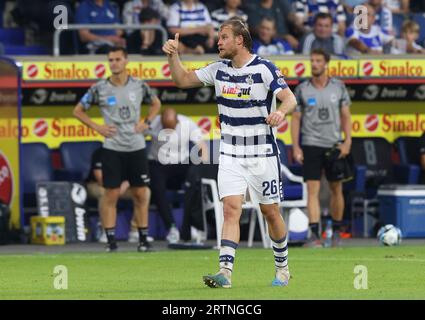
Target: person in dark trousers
(170, 163)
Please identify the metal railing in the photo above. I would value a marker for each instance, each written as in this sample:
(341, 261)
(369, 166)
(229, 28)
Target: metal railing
(72, 27)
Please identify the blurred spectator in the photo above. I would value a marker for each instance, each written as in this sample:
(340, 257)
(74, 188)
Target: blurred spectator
(146, 42)
(170, 164)
(422, 154)
(192, 21)
(398, 6)
(267, 44)
(384, 16)
(407, 44)
(323, 37)
(370, 40)
(307, 9)
(99, 12)
(231, 9)
(132, 9)
(278, 10)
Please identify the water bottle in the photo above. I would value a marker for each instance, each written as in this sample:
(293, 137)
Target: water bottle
(328, 232)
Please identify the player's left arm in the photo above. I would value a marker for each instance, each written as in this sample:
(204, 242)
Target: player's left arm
(345, 115)
(287, 105)
(346, 128)
(154, 108)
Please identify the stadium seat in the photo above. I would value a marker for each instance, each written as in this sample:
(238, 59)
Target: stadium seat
(36, 167)
(76, 159)
(12, 36)
(292, 189)
(408, 150)
(375, 155)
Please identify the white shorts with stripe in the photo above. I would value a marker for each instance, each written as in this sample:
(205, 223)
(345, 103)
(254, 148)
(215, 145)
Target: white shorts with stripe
(261, 176)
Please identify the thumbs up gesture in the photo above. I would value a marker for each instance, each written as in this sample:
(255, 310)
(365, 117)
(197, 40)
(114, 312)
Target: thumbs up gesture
(171, 46)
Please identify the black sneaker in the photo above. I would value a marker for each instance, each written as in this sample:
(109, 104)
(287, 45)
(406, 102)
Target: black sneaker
(144, 247)
(111, 247)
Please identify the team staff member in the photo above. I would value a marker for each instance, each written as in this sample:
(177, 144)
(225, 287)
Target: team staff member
(323, 109)
(124, 156)
(170, 161)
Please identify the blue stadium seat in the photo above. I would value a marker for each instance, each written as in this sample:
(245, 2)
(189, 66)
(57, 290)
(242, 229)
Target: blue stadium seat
(12, 36)
(291, 190)
(76, 158)
(36, 166)
(375, 155)
(408, 150)
(22, 50)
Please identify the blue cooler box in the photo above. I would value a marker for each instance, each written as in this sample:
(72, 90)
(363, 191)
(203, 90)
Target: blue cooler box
(404, 207)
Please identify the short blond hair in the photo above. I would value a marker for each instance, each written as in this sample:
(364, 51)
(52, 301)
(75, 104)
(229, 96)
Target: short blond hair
(411, 26)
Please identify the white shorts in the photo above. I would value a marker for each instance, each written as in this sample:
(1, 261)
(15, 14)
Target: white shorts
(261, 176)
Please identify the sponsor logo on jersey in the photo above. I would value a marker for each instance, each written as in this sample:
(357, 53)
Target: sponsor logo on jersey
(111, 101)
(235, 92)
(311, 102)
(249, 80)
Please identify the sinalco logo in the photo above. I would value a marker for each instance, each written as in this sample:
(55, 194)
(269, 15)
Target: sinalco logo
(6, 181)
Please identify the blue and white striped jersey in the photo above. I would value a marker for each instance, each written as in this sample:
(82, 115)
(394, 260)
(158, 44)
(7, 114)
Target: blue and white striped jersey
(245, 97)
(181, 16)
(307, 9)
(375, 39)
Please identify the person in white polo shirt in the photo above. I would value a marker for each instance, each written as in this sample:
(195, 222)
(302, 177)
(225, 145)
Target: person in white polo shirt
(170, 162)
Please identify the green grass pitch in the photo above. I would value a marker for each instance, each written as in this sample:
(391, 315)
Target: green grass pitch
(392, 272)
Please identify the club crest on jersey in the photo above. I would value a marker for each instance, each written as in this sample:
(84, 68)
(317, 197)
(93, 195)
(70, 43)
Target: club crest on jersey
(249, 80)
(323, 114)
(125, 112)
(333, 97)
(235, 92)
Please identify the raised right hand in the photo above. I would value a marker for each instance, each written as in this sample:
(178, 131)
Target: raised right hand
(171, 46)
(106, 130)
